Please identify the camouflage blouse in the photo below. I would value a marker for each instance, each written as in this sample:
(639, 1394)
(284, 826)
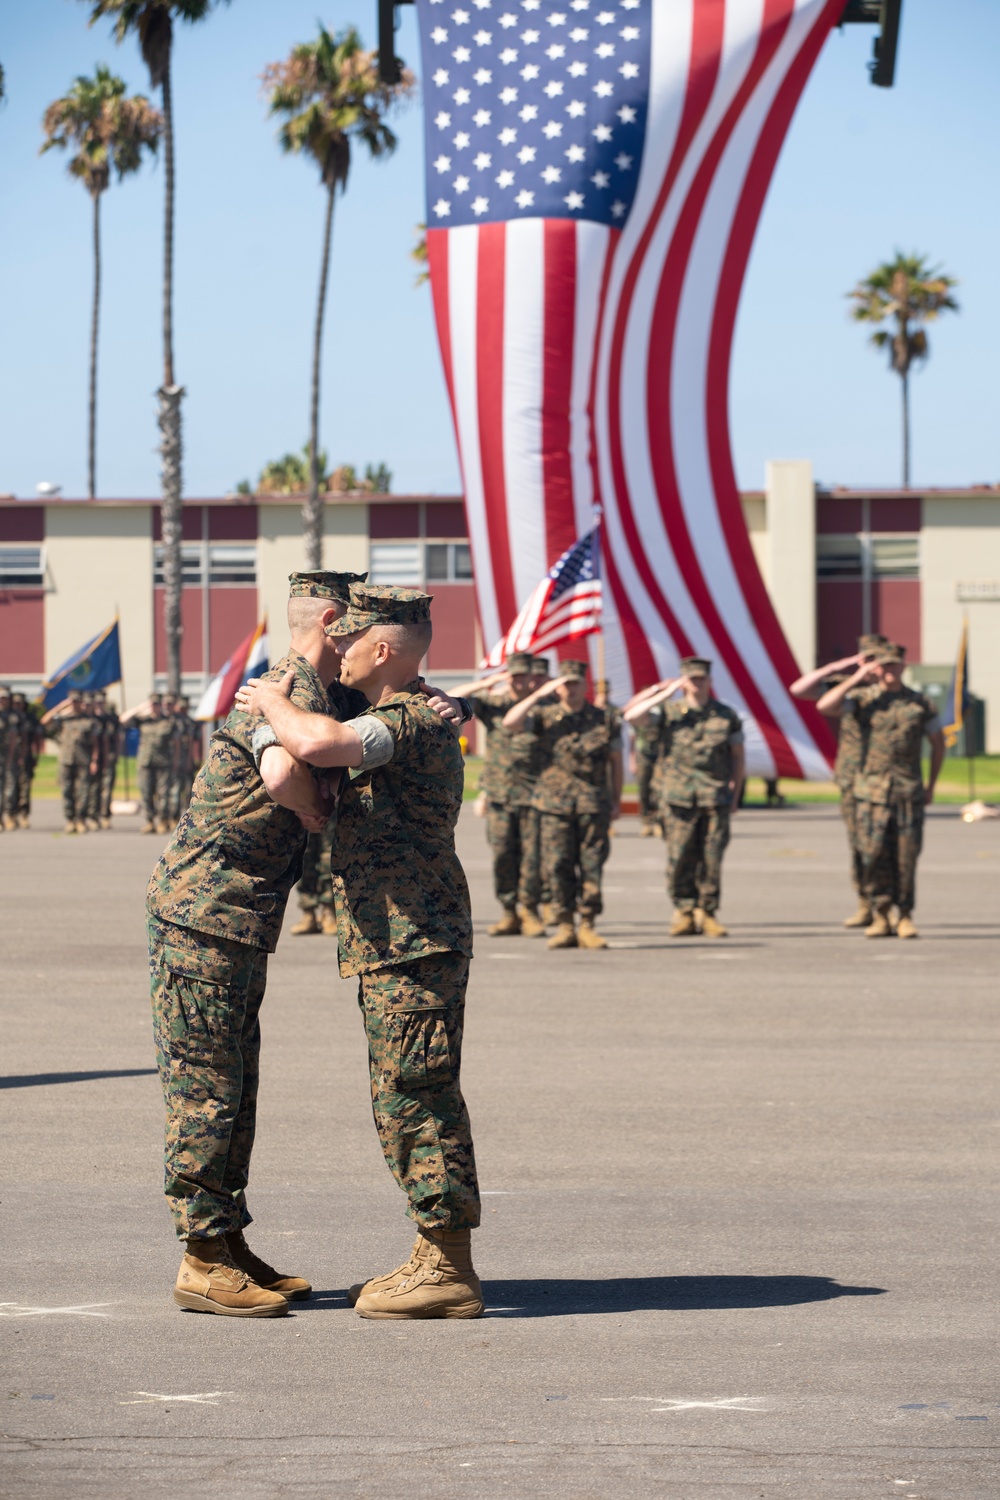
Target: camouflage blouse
(156, 742)
(694, 763)
(399, 889)
(891, 727)
(236, 854)
(576, 751)
(76, 735)
(512, 761)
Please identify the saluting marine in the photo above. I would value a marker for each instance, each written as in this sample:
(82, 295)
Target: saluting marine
(889, 790)
(73, 725)
(697, 784)
(578, 794)
(811, 687)
(154, 760)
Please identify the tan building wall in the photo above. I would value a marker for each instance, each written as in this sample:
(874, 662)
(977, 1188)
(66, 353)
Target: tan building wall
(755, 516)
(99, 561)
(280, 552)
(790, 571)
(960, 543)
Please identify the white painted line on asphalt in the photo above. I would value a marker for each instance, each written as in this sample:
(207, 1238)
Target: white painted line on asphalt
(725, 1403)
(519, 956)
(203, 1398)
(83, 1310)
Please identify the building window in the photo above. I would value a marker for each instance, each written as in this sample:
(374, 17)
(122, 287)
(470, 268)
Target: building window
(417, 563)
(232, 562)
(22, 567)
(218, 562)
(839, 557)
(895, 556)
(448, 562)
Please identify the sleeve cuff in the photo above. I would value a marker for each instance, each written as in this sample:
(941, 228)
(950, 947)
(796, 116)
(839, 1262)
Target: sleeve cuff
(377, 742)
(262, 739)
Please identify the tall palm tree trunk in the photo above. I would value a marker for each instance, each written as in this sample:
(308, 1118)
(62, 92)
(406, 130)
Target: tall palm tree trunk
(170, 420)
(312, 511)
(906, 429)
(94, 317)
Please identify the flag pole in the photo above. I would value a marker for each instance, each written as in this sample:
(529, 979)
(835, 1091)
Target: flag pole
(121, 694)
(601, 661)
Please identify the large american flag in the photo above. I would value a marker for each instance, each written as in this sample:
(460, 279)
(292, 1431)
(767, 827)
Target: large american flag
(565, 607)
(595, 172)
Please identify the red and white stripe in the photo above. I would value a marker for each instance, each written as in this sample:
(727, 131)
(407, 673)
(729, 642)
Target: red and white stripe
(542, 625)
(248, 660)
(590, 365)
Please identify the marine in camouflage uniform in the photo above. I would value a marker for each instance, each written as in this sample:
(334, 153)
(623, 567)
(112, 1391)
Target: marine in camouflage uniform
(892, 721)
(510, 771)
(186, 755)
(73, 725)
(697, 781)
(215, 904)
(8, 743)
(315, 891)
(576, 795)
(154, 760)
(109, 763)
(31, 742)
(644, 756)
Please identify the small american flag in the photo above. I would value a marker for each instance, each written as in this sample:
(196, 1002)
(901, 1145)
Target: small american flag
(565, 606)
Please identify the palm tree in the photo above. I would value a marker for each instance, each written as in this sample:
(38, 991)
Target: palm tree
(110, 133)
(152, 21)
(909, 291)
(290, 475)
(419, 254)
(330, 95)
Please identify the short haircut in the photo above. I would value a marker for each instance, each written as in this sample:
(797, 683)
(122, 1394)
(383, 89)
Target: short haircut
(410, 640)
(306, 613)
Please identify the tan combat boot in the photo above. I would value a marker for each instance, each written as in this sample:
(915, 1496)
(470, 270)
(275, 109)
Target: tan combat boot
(9, 822)
(549, 914)
(147, 828)
(683, 924)
(509, 925)
(531, 924)
(70, 827)
(209, 1282)
(307, 923)
(25, 820)
(81, 825)
(646, 831)
(588, 937)
(162, 826)
(292, 1288)
(860, 918)
(391, 1278)
(879, 926)
(443, 1285)
(93, 826)
(328, 921)
(711, 926)
(905, 927)
(105, 822)
(565, 936)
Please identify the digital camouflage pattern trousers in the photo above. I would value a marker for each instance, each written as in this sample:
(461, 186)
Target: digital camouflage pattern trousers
(206, 993)
(74, 782)
(696, 839)
(575, 848)
(644, 788)
(154, 791)
(514, 841)
(414, 1014)
(316, 881)
(890, 836)
(849, 813)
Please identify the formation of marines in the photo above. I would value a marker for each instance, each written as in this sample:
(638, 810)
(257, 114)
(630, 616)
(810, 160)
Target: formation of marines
(882, 725)
(167, 758)
(21, 741)
(343, 729)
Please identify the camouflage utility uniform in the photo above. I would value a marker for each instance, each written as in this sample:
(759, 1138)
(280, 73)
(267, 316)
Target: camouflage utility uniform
(109, 765)
(512, 764)
(316, 885)
(8, 743)
(573, 797)
(889, 791)
(405, 928)
(76, 734)
(187, 747)
(644, 753)
(154, 765)
(694, 768)
(30, 746)
(215, 903)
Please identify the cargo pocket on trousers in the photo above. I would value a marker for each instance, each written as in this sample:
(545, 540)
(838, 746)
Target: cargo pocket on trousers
(424, 1053)
(198, 1004)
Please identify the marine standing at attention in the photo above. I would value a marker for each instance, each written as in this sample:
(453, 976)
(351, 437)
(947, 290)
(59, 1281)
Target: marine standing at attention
(889, 789)
(215, 903)
(697, 784)
(405, 931)
(154, 760)
(510, 770)
(811, 686)
(578, 794)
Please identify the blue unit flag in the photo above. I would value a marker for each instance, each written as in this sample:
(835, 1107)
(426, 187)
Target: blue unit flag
(96, 665)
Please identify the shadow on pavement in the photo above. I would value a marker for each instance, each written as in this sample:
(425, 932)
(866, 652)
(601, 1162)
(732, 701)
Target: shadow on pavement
(34, 1080)
(552, 1299)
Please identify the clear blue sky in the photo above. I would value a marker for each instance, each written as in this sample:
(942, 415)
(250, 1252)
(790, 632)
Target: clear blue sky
(864, 170)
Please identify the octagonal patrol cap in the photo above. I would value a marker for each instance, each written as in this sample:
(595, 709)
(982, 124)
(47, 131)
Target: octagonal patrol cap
(519, 662)
(4, 690)
(696, 666)
(323, 585)
(156, 697)
(540, 666)
(576, 671)
(381, 604)
(871, 641)
(890, 654)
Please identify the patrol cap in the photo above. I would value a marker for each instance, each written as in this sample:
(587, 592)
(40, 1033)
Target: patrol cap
(4, 690)
(540, 664)
(889, 654)
(156, 697)
(520, 661)
(322, 585)
(871, 641)
(575, 670)
(696, 666)
(381, 604)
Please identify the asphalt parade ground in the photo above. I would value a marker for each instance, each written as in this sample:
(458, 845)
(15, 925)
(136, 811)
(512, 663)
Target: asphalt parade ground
(740, 1201)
